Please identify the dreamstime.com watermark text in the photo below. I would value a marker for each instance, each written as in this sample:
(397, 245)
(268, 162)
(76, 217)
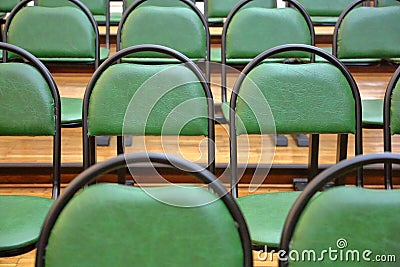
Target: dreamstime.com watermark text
(340, 253)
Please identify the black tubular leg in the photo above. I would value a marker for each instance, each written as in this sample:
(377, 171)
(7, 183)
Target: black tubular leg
(313, 156)
(341, 154)
(121, 150)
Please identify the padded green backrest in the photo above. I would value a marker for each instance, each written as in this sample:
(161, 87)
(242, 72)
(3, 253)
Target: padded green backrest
(26, 102)
(221, 8)
(57, 32)
(355, 39)
(175, 27)
(325, 7)
(303, 98)
(148, 99)
(382, 3)
(254, 30)
(395, 110)
(113, 225)
(97, 7)
(167, 3)
(350, 221)
(7, 5)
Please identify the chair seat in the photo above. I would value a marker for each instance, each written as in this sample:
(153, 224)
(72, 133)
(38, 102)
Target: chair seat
(71, 110)
(372, 112)
(265, 215)
(104, 53)
(216, 57)
(324, 20)
(21, 220)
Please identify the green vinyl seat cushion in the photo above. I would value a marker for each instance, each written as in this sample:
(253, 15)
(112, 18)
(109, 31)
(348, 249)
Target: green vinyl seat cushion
(349, 220)
(324, 20)
(21, 220)
(114, 225)
(104, 53)
(265, 215)
(71, 110)
(372, 112)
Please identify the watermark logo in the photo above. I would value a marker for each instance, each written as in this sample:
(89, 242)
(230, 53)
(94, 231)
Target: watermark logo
(341, 253)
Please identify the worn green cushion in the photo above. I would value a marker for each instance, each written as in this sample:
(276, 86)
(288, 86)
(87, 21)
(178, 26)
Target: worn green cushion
(97, 7)
(21, 220)
(8, 5)
(395, 111)
(348, 221)
(27, 105)
(303, 98)
(325, 7)
(71, 110)
(148, 99)
(58, 32)
(220, 9)
(114, 225)
(372, 112)
(354, 39)
(253, 30)
(175, 27)
(265, 215)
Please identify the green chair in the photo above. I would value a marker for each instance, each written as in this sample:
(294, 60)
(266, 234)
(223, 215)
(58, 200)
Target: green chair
(391, 120)
(100, 10)
(324, 12)
(114, 225)
(319, 98)
(343, 226)
(5, 7)
(30, 106)
(216, 11)
(357, 44)
(125, 98)
(382, 3)
(74, 40)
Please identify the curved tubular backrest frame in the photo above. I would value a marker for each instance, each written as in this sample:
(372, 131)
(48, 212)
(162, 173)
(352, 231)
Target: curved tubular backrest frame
(319, 181)
(87, 12)
(189, 4)
(387, 140)
(225, 28)
(57, 109)
(88, 145)
(339, 22)
(122, 161)
(257, 61)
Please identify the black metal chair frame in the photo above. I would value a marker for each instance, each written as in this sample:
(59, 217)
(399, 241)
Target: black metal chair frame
(314, 146)
(89, 150)
(317, 184)
(57, 136)
(89, 175)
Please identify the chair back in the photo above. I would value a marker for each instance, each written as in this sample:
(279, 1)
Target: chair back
(30, 104)
(130, 222)
(352, 39)
(40, 31)
(143, 99)
(165, 3)
(350, 221)
(8, 5)
(96, 7)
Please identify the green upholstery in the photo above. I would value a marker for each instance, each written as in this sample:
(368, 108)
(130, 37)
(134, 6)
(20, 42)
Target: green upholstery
(38, 30)
(97, 7)
(395, 111)
(21, 220)
(113, 225)
(175, 27)
(165, 3)
(147, 99)
(71, 110)
(330, 103)
(253, 30)
(381, 3)
(218, 10)
(354, 39)
(372, 112)
(7, 5)
(324, 11)
(27, 105)
(266, 209)
(350, 221)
